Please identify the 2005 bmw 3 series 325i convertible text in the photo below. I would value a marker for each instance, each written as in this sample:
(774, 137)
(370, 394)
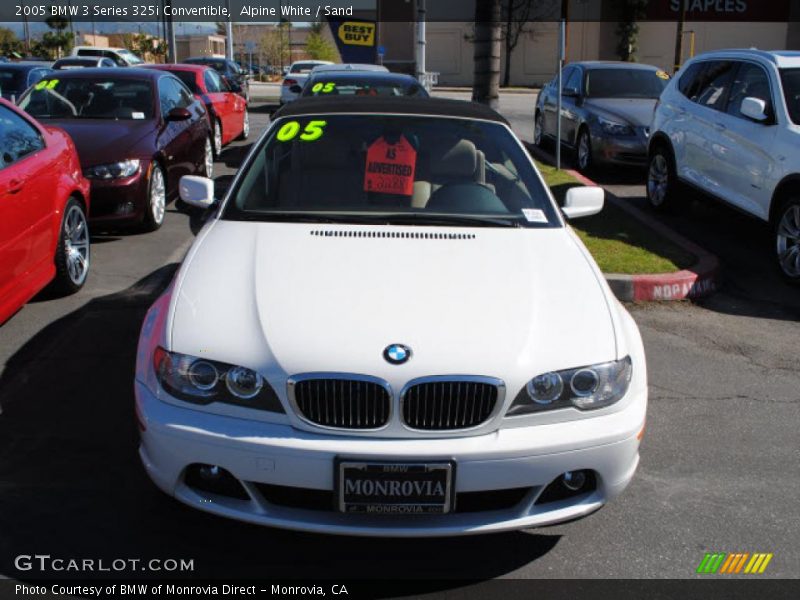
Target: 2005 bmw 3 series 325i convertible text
(387, 328)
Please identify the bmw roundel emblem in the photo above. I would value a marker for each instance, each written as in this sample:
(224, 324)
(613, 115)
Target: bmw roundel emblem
(397, 354)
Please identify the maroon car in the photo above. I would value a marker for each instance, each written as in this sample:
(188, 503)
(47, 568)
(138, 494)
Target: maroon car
(137, 132)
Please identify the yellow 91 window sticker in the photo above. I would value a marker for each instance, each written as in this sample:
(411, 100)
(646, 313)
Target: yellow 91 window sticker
(312, 131)
(324, 88)
(662, 74)
(46, 84)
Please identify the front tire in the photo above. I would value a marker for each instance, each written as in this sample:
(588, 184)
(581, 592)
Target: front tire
(73, 252)
(245, 126)
(156, 207)
(662, 181)
(584, 151)
(217, 136)
(787, 240)
(538, 130)
(208, 159)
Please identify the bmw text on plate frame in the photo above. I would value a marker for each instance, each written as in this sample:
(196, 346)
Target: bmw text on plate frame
(262, 392)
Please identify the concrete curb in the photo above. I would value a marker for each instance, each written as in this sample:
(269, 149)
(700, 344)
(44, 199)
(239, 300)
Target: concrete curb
(700, 280)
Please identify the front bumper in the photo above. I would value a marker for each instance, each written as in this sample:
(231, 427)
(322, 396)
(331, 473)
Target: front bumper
(119, 201)
(630, 151)
(263, 453)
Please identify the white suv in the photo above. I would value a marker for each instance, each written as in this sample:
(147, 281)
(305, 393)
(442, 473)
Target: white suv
(729, 124)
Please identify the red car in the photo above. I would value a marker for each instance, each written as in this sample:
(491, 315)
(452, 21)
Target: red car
(227, 110)
(44, 200)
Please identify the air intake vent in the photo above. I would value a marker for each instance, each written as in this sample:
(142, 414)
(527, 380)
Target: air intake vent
(400, 235)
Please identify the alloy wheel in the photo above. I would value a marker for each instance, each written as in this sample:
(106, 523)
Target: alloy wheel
(209, 160)
(657, 180)
(158, 196)
(788, 241)
(217, 138)
(76, 245)
(584, 151)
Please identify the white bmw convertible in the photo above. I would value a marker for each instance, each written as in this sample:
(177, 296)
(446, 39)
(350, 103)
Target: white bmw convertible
(387, 328)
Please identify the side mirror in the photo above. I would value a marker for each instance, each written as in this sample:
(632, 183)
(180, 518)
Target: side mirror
(179, 114)
(296, 89)
(196, 191)
(754, 108)
(583, 201)
(569, 92)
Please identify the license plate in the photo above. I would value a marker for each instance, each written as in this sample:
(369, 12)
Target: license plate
(394, 488)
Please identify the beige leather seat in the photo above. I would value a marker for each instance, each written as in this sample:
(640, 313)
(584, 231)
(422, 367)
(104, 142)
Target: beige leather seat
(447, 163)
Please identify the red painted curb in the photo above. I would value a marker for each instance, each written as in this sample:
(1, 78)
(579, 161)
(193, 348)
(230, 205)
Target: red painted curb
(701, 280)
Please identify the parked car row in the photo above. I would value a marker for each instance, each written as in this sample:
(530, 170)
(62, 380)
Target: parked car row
(726, 124)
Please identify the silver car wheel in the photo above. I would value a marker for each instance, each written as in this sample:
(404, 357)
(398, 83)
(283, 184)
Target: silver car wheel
(788, 241)
(76, 245)
(209, 160)
(657, 180)
(584, 151)
(217, 138)
(158, 196)
(538, 126)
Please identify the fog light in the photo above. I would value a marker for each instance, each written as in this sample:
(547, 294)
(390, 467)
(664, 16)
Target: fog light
(573, 480)
(215, 480)
(209, 472)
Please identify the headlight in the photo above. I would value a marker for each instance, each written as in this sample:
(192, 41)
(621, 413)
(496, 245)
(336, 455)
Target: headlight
(119, 170)
(203, 381)
(614, 128)
(585, 388)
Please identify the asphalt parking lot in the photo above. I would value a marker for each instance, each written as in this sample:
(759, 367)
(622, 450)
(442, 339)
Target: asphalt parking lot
(719, 467)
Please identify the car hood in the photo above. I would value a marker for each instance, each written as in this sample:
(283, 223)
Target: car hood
(101, 141)
(636, 111)
(293, 298)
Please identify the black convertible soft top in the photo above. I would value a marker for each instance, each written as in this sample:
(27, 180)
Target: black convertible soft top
(382, 105)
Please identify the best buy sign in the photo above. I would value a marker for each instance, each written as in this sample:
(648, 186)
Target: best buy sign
(356, 33)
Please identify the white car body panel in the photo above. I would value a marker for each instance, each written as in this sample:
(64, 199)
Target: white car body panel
(740, 161)
(290, 298)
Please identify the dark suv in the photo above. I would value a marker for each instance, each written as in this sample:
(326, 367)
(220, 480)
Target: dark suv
(233, 74)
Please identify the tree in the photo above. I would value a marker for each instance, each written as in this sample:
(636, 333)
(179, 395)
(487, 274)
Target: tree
(517, 17)
(271, 47)
(58, 41)
(488, 37)
(628, 29)
(148, 47)
(317, 47)
(9, 43)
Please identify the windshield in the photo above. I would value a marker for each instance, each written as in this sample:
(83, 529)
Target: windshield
(90, 98)
(188, 78)
(364, 87)
(303, 67)
(790, 78)
(391, 169)
(625, 83)
(130, 57)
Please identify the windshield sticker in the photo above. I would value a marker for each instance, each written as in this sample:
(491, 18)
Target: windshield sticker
(46, 84)
(310, 133)
(325, 88)
(662, 74)
(137, 115)
(534, 215)
(390, 167)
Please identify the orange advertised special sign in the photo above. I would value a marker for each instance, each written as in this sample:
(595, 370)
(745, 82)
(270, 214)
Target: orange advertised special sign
(390, 167)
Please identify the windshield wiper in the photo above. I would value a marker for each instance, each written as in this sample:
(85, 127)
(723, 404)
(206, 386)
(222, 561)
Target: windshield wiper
(381, 219)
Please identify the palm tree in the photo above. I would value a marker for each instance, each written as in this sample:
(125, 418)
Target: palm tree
(488, 38)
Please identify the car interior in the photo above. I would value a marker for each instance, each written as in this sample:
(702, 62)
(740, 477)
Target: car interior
(451, 175)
